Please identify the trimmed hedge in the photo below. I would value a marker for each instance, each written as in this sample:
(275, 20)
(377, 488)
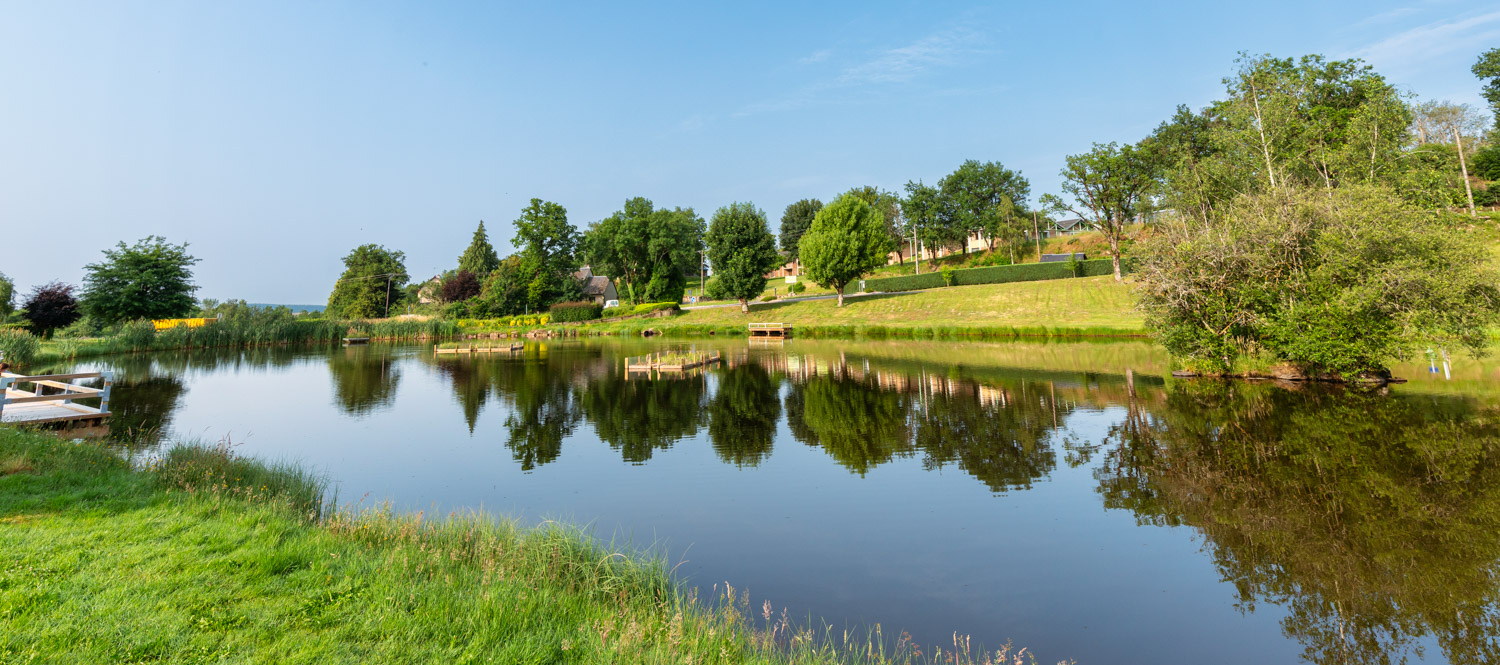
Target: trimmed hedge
(582, 310)
(1021, 272)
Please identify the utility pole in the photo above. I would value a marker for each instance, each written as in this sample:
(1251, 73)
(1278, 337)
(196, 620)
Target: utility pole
(1462, 164)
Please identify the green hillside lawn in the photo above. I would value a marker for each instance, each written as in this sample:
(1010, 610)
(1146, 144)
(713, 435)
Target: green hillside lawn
(1081, 303)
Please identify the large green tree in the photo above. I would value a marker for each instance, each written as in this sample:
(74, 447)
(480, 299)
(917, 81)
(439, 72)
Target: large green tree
(151, 279)
(371, 283)
(549, 253)
(1107, 187)
(931, 218)
(848, 238)
(480, 257)
(989, 199)
(741, 250)
(794, 223)
(1488, 69)
(888, 204)
(650, 250)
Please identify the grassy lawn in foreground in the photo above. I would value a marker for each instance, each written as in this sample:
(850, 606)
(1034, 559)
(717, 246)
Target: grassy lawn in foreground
(205, 557)
(1084, 302)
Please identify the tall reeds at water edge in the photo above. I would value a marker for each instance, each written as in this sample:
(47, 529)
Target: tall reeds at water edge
(229, 333)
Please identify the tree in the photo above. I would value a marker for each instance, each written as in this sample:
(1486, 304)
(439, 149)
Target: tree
(7, 296)
(794, 223)
(650, 250)
(460, 287)
(504, 293)
(1342, 281)
(1488, 69)
(480, 257)
(847, 239)
(371, 283)
(49, 307)
(989, 199)
(549, 253)
(148, 280)
(1309, 121)
(1108, 185)
(931, 217)
(1437, 122)
(742, 250)
(888, 204)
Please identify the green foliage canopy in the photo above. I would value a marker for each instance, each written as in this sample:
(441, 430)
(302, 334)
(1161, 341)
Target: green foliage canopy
(373, 276)
(480, 257)
(794, 222)
(1487, 68)
(7, 296)
(989, 198)
(847, 239)
(741, 250)
(651, 250)
(1342, 281)
(148, 280)
(549, 253)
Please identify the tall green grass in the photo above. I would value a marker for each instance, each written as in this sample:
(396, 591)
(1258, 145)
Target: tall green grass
(142, 336)
(205, 556)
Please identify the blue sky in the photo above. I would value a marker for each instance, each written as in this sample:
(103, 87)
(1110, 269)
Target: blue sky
(274, 137)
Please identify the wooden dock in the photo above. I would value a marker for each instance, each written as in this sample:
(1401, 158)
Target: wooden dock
(511, 348)
(671, 362)
(770, 330)
(52, 398)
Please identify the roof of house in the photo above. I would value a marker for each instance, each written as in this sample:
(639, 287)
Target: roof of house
(1067, 224)
(596, 286)
(583, 273)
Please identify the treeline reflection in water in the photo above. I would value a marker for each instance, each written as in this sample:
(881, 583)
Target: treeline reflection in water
(1371, 517)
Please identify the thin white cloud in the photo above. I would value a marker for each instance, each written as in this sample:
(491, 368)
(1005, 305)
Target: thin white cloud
(1433, 39)
(899, 65)
(1386, 16)
(816, 56)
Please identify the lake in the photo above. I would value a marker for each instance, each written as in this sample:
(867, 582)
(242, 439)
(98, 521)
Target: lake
(1069, 497)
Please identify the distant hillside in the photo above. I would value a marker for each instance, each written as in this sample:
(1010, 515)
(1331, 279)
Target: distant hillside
(294, 308)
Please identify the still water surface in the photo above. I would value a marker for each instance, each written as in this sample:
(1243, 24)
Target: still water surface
(1067, 497)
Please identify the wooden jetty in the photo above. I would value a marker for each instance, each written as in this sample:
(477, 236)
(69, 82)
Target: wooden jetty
(510, 348)
(671, 362)
(52, 398)
(770, 330)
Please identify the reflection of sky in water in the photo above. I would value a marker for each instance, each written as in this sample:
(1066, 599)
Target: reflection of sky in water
(911, 543)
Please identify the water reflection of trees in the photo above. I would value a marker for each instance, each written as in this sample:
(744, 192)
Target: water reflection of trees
(640, 415)
(1372, 519)
(743, 413)
(364, 378)
(865, 418)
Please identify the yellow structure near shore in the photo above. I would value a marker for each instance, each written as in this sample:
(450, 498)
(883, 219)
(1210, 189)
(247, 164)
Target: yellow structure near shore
(163, 324)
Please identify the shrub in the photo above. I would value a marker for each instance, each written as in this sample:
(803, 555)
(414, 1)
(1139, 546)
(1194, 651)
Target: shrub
(1020, 272)
(714, 291)
(797, 287)
(947, 273)
(18, 347)
(767, 298)
(575, 311)
(462, 286)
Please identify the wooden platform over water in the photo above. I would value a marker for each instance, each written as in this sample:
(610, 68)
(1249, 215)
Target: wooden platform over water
(770, 330)
(52, 398)
(671, 362)
(516, 346)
